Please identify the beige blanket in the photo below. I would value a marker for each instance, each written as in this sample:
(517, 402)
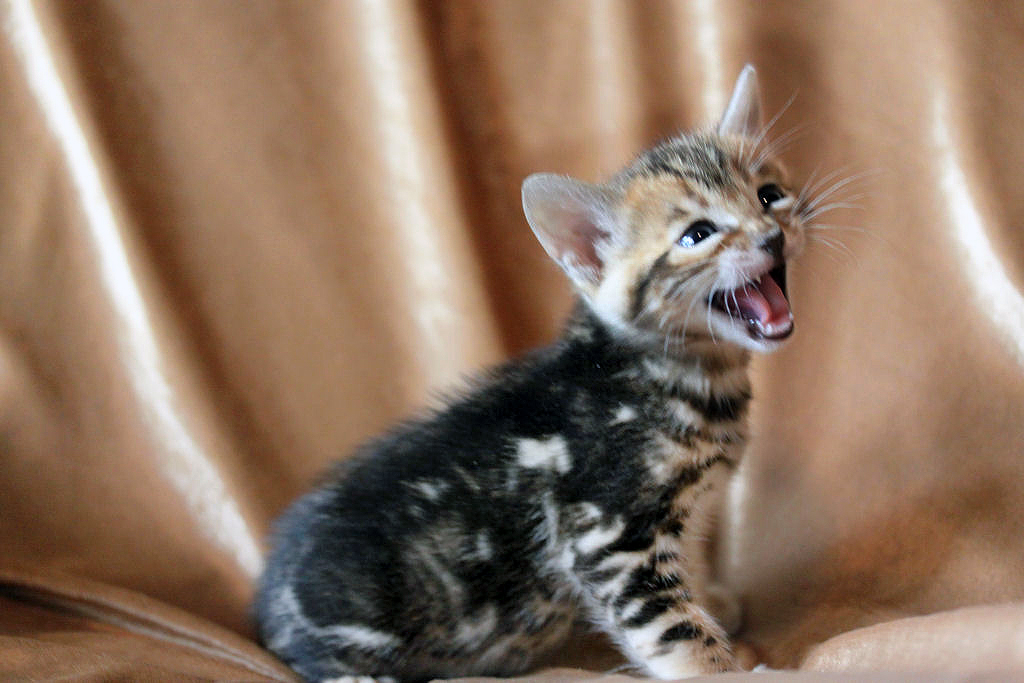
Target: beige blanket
(239, 238)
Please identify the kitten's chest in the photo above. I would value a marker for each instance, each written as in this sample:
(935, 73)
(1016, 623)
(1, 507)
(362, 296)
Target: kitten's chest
(695, 415)
(678, 448)
(666, 433)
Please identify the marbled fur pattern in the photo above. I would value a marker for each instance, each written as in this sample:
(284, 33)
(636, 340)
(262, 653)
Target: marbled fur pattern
(442, 550)
(575, 482)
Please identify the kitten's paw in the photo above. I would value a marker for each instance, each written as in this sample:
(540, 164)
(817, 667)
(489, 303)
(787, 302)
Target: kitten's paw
(687, 660)
(723, 604)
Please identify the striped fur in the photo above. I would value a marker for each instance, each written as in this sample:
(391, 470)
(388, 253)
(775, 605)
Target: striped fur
(576, 482)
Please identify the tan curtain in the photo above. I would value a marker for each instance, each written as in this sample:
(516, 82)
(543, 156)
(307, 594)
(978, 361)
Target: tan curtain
(237, 239)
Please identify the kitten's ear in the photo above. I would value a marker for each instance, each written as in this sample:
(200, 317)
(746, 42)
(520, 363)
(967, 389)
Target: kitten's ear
(574, 222)
(743, 115)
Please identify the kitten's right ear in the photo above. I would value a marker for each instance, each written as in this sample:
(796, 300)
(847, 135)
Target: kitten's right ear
(743, 116)
(574, 221)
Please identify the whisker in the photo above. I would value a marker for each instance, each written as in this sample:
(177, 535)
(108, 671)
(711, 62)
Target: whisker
(735, 303)
(689, 311)
(709, 283)
(836, 246)
(834, 226)
(853, 198)
(767, 127)
(832, 206)
(711, 294)
(804, 191)
(683, 289)
(686, 280)
(811, 190)
(827, 194)
(835, 187)
(815, 229)
(776, 146)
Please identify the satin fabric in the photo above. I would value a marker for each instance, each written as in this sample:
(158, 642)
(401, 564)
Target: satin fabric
(240, 238)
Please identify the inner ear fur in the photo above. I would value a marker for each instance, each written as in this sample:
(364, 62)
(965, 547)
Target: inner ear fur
(743, 116)
(573, 220)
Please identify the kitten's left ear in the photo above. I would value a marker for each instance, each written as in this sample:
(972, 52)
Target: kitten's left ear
(743, 115)
(574, 221)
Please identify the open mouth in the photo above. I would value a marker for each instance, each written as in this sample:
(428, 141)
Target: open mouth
(761, 303)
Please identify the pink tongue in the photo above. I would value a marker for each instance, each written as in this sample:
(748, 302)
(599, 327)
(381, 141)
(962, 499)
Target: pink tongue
(763, 302)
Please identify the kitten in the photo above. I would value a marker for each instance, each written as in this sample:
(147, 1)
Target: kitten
(578, 480)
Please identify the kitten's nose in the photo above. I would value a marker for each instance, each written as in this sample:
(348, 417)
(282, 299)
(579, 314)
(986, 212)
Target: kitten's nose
(774, 244)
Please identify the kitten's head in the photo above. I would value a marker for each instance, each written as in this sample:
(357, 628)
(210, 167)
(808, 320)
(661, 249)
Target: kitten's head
(688, 244)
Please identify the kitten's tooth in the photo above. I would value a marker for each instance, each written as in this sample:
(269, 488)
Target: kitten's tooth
(774, 330)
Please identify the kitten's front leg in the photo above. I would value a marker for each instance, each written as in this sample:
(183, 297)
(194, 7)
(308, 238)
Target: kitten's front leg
(643, 600)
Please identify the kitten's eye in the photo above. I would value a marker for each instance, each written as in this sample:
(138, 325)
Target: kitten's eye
(697, 232)
(769, 194)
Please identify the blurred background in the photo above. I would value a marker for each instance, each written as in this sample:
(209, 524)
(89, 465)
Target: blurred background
(238, 239)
